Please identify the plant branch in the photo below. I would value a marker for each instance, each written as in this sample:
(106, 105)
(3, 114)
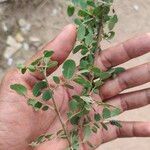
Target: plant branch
(52, 108)
(58, 114)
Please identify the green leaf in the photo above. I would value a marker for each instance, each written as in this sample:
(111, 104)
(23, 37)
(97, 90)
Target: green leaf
(98, 11)
(109, 36)
(45, 108)
(115, 112)
(91, 3)
(104, 126)
(73, 105)
(47, 95)
(38, 141)
(48, 136)
(84, 13)
(91, 145)
(97, 117)
(81, 32)
(96, 71)
(94, 129)
(84, 82)
(87, 21)
(87, 132)
(106, 113)
(96, 125)
(41, 139)
(78, 21)
(56, 79)
(108, 1)
(74, 120)
(69, 86)
(38, 87)
(22, 68)
(113, 20)
(104, 75)
(37, 61)
(32, 102)
(70, 10)
(89, 39)
(98, 82)
(51, 64)
(35, 104)
(118, 70)
(87, 99)
(19, 88)
(84, 64)
(78, 48)
(83, 4)
(84, 51)
(69, 68)
(116, 123)
(96, 91)
(48, 54)
(38, 105)
(74, 140)
(31, 68)
(106, 8)
(60, 132)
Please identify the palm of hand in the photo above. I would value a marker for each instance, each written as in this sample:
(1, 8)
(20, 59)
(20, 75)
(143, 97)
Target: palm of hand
(19, 124)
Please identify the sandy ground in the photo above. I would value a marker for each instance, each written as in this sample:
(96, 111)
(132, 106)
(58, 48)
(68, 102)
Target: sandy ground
(48, 20)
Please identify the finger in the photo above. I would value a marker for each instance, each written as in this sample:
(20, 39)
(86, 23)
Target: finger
(129, 129)
(57, 144)
(123, 52)
(130, 78)
(131, 100)
(61, 45)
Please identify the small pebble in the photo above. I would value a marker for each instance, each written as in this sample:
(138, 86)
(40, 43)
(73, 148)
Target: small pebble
(24, 25)
(9, 51)
(54, 12)
(136, 7)
(19, 37)
(4, 27)
(25, 46)
(34, 39)
(11, 41)
(10, 61)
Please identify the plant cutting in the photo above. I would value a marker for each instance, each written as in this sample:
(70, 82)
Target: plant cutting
(95, 22)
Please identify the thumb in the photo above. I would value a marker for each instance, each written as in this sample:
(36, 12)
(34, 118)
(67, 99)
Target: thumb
(61, 45)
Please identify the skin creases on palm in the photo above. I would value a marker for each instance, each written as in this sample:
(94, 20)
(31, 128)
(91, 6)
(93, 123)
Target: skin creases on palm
(19, 123)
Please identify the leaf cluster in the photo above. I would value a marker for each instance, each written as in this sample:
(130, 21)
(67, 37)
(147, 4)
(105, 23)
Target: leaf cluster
(95, 22)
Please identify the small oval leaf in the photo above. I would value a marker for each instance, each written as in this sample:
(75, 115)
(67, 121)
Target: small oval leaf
(106, 113)
(19, 88)
(81, 32)
(38, 87)
(69, 68)
(70, 10)
(47, 95)
(56, 79)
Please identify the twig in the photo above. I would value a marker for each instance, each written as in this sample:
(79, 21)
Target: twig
(58, 114)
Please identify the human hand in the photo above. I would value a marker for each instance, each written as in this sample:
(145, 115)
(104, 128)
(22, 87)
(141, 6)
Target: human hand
(20, 125)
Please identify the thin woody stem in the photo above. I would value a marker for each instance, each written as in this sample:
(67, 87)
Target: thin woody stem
(58, 114)
(50, 107)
